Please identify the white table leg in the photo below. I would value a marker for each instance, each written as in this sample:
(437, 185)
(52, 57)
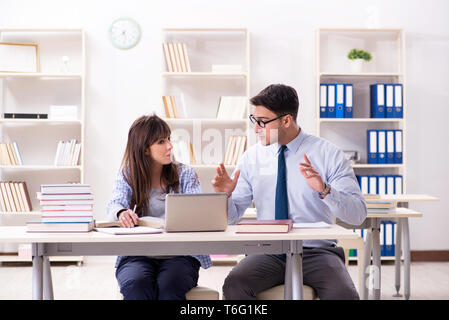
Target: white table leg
(367, 262)
(37, 272)
(296, 267)
(288, 278)
(406, 239)
(376, 258)
(397, 258)
(48, 285)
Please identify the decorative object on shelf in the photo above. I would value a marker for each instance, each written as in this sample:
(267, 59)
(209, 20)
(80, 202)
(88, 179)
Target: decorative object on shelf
(68, 112)
(357, 57)
(19, 57)
(124, 33)
(352, 155)
(25, 115)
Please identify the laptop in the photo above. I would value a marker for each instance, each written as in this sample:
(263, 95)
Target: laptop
(196, 212)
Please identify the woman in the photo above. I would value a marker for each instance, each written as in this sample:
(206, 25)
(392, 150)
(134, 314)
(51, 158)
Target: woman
(147, 174)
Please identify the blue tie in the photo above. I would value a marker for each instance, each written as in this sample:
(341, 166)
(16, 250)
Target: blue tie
(281, 203)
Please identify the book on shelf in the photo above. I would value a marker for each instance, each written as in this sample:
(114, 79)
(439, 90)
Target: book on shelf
(378, 204)
(232, 107)
(234, 149)
(38, 226)
(183, 152)
(264, 226)
(67, 153)
(174, 106)
(67, 188)
(176, 57)
(14, 197)
(10, 154)
(25, 115)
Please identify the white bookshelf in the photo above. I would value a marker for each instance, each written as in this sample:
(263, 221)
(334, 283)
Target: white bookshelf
(387, 47)
(55, 83)
(202, 88)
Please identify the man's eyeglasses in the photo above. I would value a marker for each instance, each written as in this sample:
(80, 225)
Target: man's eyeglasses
(262, 123)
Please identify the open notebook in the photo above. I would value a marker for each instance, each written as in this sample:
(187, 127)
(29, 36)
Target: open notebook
(135, 230)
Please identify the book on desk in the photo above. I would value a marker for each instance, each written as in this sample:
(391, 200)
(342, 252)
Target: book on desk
(264, 226)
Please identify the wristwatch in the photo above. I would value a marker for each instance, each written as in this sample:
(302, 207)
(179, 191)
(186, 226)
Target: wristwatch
(326, 191)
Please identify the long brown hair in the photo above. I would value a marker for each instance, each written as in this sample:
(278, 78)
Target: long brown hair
(136, 165)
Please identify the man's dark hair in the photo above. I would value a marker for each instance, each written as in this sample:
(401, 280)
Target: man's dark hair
(279, 98)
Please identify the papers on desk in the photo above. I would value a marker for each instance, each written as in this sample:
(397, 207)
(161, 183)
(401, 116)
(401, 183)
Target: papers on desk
(135, 230)
(311, 225)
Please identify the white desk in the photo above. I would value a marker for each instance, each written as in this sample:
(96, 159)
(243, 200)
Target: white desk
(372, 241)
(228, 242)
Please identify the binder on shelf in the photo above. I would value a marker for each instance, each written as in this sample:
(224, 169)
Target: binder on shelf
(398, 185)
(331, 100)
(323, 100)
(382, 185)
(377, 96)
(340, 100)
(389, 238)
(390, 185)
(390, 146)
(372, 185)
(364, 184)
(372, 146)
(381, 148)
(398, 146)
(349, 98)
(398, 101)
(389, 101)
(382, 239)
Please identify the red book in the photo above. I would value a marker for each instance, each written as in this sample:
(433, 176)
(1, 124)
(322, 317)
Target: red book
(264, 226)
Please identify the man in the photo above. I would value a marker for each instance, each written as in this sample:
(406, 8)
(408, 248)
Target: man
(291, 174)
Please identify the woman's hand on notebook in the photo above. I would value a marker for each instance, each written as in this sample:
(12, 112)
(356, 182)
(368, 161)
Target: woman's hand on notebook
(128, 219)
(223, 182)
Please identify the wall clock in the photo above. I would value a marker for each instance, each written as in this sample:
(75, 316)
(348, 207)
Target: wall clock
(124, 33)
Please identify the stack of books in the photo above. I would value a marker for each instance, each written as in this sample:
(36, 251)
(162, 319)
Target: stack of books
(14, 197)
(234, 150)
(10, 155)
(65, 208)
(380, 206)
(67, 153)
(176, 57)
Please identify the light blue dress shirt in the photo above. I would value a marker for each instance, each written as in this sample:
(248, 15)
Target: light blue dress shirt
(258, 176)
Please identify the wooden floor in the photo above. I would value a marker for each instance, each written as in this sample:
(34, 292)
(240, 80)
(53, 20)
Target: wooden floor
(95, 280)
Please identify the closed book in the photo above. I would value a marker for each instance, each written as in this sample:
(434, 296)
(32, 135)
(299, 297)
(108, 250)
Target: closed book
(26, 115)
(69, 188)
(66, 213)
(75, 196)
(65, 202)
(264, 226)
(67, 219)
(64, 207)
(38, 226)
(373, 204)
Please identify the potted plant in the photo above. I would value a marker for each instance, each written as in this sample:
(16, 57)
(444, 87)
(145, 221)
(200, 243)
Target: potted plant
(357, 57)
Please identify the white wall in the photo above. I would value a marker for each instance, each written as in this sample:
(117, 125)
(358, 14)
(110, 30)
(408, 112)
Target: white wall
(121, 85)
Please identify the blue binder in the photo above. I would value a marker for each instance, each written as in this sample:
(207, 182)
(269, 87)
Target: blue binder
(398, 184)
(372, 146)
(382, 185)
(390, 146)
(377, 96)
(390, 185)
(339, 100)
(372, 184)
(381, 146)
(389, 238)
(331, 100)
(349, 100)
(398, 146)
(398, 101)
(323, 100)
(389, 100)
(382, 239)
